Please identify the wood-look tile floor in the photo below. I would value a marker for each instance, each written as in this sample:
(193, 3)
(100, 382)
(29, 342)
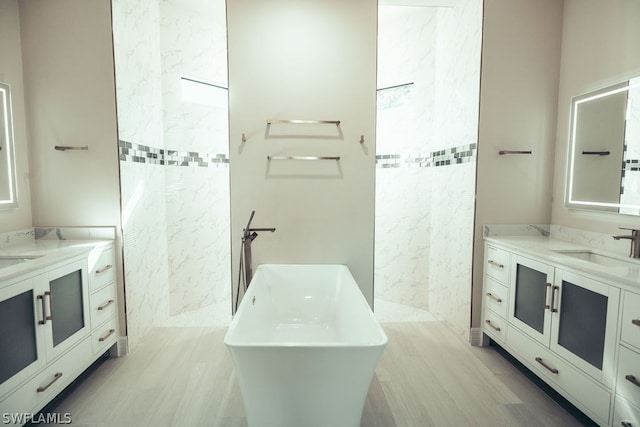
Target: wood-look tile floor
(426, 377)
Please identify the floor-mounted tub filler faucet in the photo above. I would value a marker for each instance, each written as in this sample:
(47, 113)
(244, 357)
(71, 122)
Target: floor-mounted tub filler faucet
(635, 241)
(248, 235)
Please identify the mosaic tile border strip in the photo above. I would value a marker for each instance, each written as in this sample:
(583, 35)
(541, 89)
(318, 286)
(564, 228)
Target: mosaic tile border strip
(138, 153)
(446, 157)
(631, 165)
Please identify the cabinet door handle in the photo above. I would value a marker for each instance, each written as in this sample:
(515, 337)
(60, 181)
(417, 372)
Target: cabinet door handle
(106, 304)
(50, 316)
(546, 296)
(553, 298)
(626, 424)
(104, 338)
(103, 269)
(549, 368)
(44, 312)
(633, 380)
(494, 327)
(56, 377)
(495, 264)
(636, 322)
(493, 297)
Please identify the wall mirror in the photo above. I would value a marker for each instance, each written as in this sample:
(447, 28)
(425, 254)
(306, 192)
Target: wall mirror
(8, 197)
(604, 150)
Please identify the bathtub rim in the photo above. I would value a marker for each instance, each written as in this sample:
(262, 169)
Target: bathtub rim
(229, 342)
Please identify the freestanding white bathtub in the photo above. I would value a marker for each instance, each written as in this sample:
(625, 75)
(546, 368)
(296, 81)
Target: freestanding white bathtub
(305, 345)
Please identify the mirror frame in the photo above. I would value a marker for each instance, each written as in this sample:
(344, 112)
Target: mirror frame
(8, 157)
(593, 205)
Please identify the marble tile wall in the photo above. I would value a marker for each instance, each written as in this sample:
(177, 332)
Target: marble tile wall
(425, 189)
(450, 261)
(405, 110)
(453, 203)
(17, 237)
(402, 230)
(193, 44)
(139, 95)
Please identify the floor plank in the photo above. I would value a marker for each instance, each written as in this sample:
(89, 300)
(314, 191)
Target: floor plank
(183, 376)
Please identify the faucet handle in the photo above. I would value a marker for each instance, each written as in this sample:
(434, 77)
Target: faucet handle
(627, 228)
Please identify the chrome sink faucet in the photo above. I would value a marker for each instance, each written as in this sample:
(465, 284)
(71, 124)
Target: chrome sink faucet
(635, 241)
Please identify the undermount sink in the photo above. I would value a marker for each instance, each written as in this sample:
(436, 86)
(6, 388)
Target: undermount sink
(599, 259)
(8, 261)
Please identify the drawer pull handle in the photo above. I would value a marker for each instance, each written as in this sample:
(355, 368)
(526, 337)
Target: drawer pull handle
(106, 304)
(56, 377)
(103, 269)
(488, 322)
(550, 369)
(495, 264)
(626, 424)
(636, 322)
(104, 338)
(44, 313)
(493, 297)
(633, 380)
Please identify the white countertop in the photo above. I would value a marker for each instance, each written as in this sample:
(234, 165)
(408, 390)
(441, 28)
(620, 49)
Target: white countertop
(49, 252)
(627, 274)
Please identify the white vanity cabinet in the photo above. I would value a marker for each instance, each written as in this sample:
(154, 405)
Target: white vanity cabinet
(627, 403)
(104, 321)
(47, 325)
(495, 294)
(44, 317)
(562, 325)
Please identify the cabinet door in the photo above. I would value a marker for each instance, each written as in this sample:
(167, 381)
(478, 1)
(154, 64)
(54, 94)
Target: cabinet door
(68, 305)
(530, 297)
(21, 345)
(584, 324)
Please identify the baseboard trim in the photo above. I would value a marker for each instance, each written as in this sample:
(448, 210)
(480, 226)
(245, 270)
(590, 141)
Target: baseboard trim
(122, 347)
(477, 338)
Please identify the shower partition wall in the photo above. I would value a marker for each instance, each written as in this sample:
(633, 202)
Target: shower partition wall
(428, 97)
(173, 157)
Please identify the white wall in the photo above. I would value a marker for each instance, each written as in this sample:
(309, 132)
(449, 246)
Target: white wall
(68, 68)
(67, 55)
(11, 73)
(312, 60)
(518, 97)
(599, 48)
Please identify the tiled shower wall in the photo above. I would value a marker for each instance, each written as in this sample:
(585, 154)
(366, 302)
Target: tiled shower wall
(427, 134)
(173, 159)
(144, 218)
(194, 45)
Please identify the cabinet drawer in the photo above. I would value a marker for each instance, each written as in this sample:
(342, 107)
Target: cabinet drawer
(49, 381)
(497, 265)
(629, 375)
(579, 389)
(104, 336)
(631, 319)
(625, 414)
(103, 305)
(494, 326)
(102, 267)
(495, 297)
